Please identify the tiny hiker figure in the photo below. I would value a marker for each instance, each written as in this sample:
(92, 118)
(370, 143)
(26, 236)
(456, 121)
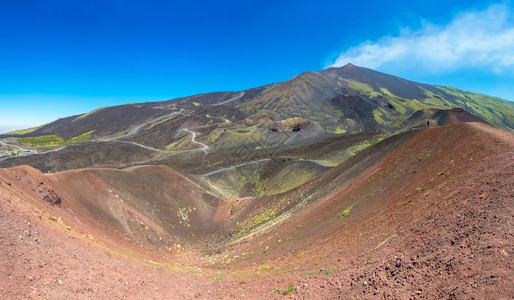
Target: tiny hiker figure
(428, 123)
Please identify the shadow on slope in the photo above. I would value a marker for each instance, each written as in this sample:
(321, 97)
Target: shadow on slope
(261, 177)
(360, 205)
(152, 211)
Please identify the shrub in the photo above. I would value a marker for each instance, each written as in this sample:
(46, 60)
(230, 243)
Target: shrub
(345, 213)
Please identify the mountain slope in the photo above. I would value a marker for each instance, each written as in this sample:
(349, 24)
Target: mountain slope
(336, 95)
(356, 99)
(417, 215)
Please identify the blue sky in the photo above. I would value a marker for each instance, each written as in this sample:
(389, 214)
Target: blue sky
(59, 57)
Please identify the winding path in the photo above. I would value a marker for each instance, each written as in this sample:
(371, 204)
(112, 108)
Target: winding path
(318, 162)
(229, 100)
(235, 166)
(211, 117)
(138, 127)
(6, 144)
(133, 143)
(203, 146)
(129, 133)
(261, 160)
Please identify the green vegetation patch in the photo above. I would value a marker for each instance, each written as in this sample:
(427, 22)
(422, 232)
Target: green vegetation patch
(284, 292)
(263, 215)
(160, 122)
(385, 241)
(345, 213)
(252, 178)
(378, 115)
(270, 88)
(53, 140)
(288, 180)
(339, 129)
(180, 144)
(349, 122)
(496, 111)
(25, 131)
(370, 259)
(88, 114)
(338, 157)
(362, 88)
(264, 267)
(237, 137)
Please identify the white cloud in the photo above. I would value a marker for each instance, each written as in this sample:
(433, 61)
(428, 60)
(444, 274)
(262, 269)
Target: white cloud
(473, 39)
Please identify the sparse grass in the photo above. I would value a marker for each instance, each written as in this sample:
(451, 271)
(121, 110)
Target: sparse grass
(289, 290)
(402, 203)
(327, 272)
(233, 138)
(52, 140)
(498, 112)
(385, 241)
(287, 182)
(378, 116)
(362, 88)
(339, 129)
(269, 89)
(160, 122)
(180, 144)
(345, 213)
(264, 267)
(337, 157)
(25, 131)
(88, 114)
(314, 272)
(370, 259)
(284, 292)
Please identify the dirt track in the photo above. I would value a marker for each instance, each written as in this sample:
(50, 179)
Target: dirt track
(433, 219)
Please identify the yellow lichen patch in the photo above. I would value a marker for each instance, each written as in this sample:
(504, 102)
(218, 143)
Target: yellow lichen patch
(88, 114)
(263, 215)
(339, 129)
(362, 88)
(160, 122)
(180, 144)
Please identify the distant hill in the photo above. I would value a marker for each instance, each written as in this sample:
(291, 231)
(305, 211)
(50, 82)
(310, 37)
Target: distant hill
(307, 108)
(349, 99)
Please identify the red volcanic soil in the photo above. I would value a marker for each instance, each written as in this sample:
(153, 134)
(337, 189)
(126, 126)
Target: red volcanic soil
(41, 258)
(454, 115)
(433, 219)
